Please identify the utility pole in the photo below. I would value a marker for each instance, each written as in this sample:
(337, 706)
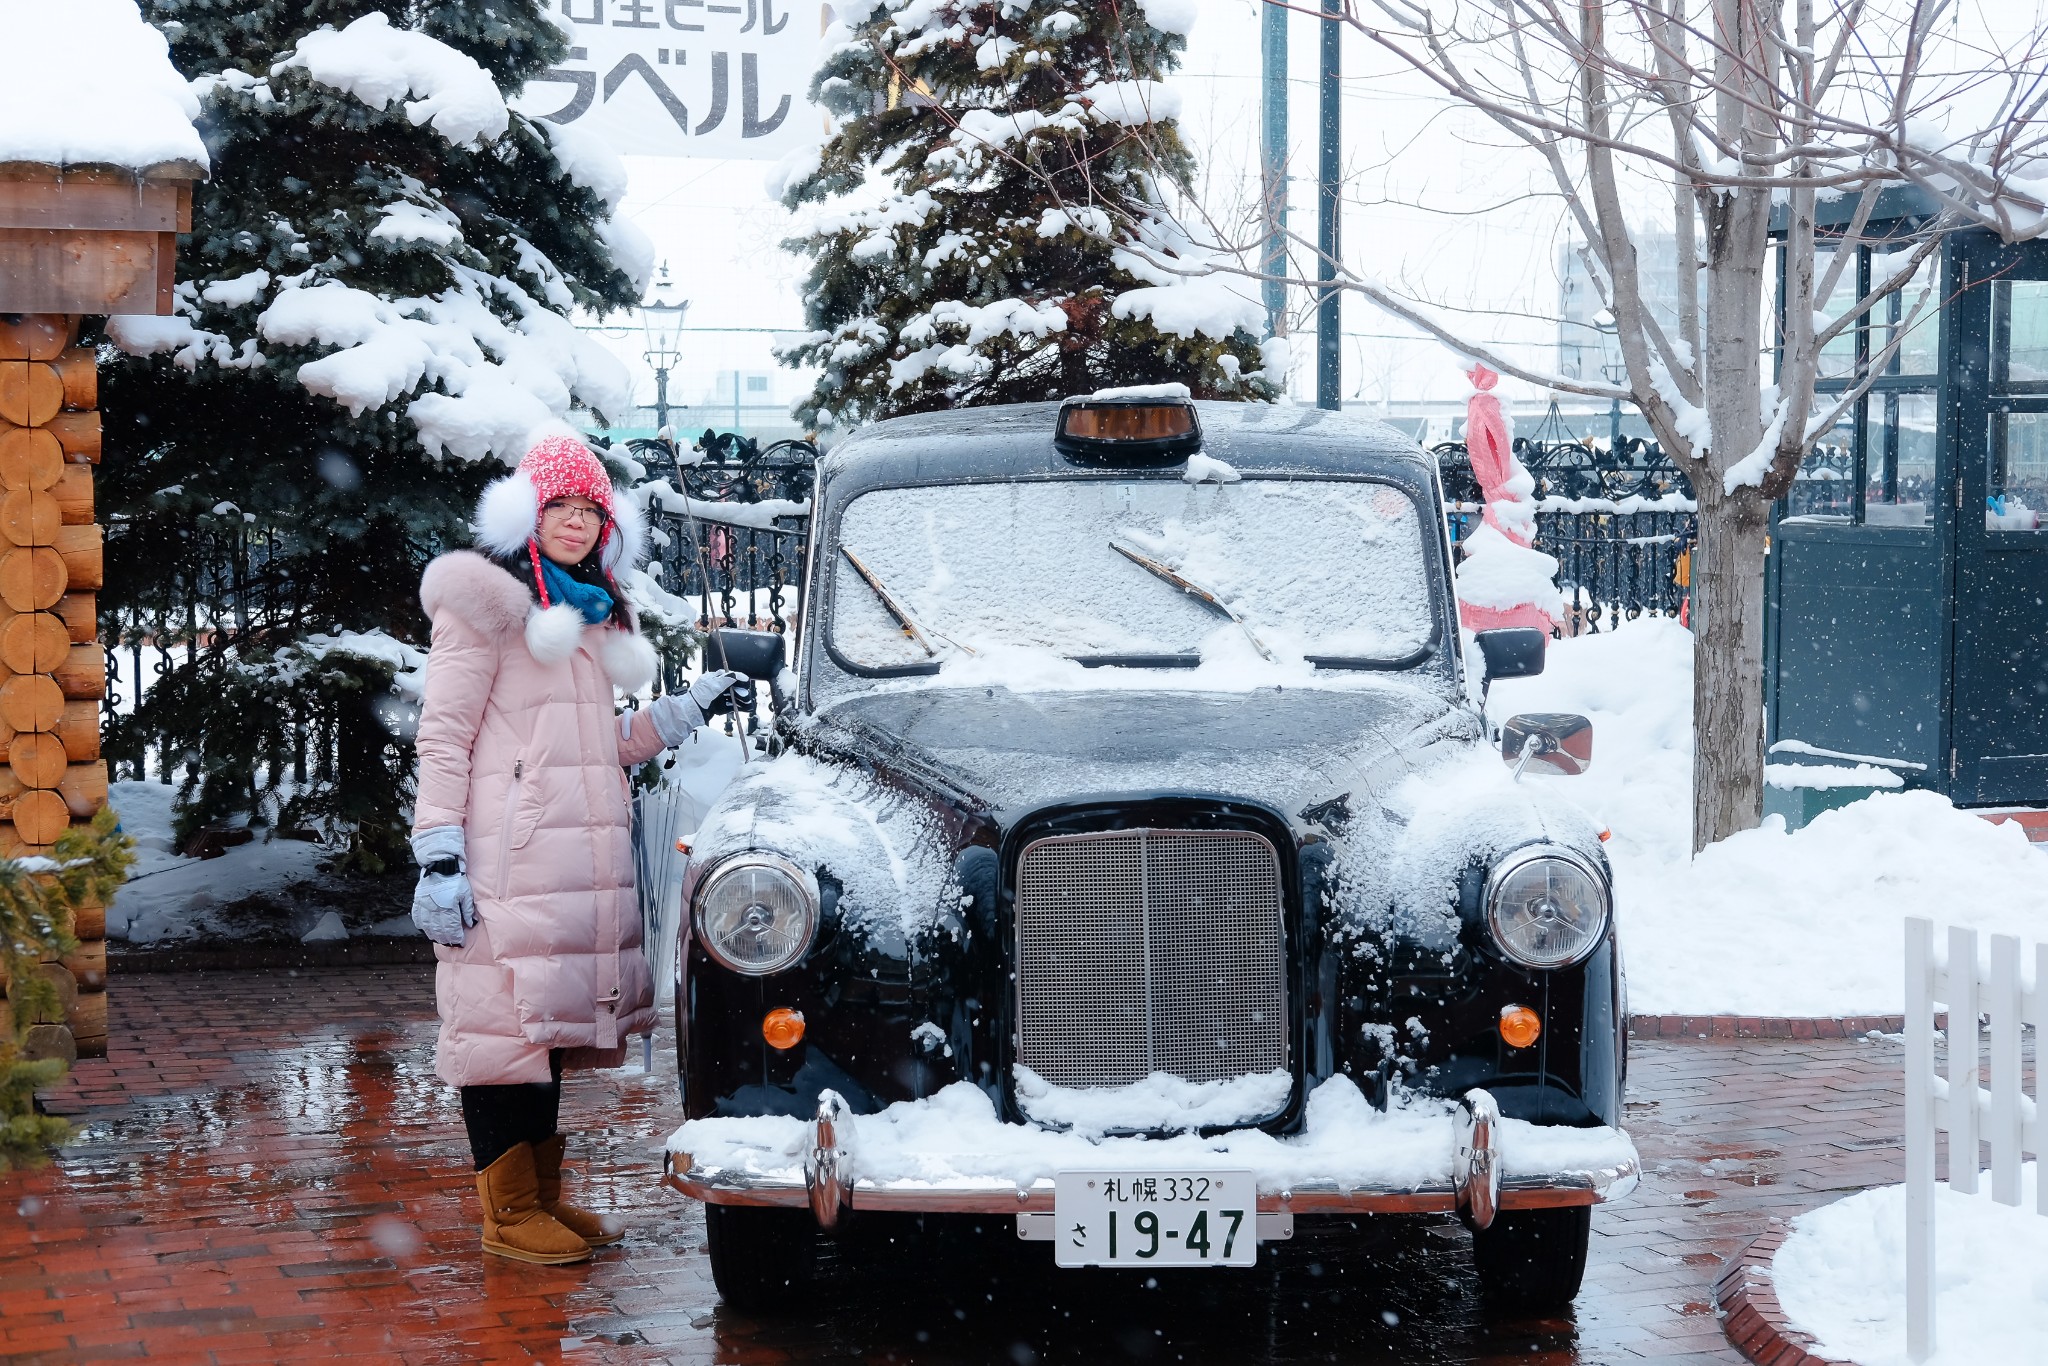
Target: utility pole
(1329, 320)
(1273, 162)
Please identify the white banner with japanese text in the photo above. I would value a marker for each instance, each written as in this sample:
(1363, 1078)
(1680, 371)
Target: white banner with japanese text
(686, 78)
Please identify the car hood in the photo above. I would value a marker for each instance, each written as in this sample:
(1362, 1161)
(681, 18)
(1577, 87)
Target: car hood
(1283, 747)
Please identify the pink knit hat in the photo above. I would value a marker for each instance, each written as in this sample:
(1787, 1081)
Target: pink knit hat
(558, 467)
(563, 467)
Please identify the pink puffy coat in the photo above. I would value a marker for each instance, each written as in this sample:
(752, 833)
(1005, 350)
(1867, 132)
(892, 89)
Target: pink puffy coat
(520, 744)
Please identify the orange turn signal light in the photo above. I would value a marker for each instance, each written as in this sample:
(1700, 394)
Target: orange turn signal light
(1127, 429)
(1128, 421)
(1519, 1026)
(783, 1028)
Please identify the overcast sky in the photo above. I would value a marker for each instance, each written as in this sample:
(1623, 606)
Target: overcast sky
(1484, 243)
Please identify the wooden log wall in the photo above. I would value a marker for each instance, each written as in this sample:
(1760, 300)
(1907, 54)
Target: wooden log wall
(52, 671)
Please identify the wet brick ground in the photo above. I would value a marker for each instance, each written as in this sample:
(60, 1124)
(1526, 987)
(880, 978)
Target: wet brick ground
(268, 1170)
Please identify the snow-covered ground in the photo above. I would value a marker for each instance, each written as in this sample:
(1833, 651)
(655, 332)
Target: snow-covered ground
(1841, 1276)
(168, 898)
(1770, 922)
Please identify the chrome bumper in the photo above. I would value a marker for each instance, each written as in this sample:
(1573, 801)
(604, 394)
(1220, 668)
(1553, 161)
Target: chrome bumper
(828, 1183)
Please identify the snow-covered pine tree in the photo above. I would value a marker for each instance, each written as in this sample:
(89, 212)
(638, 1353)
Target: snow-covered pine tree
(992, 228)
(371, 317)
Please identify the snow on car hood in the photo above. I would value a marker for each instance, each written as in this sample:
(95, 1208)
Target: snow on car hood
(1426, 796)
(883, 848)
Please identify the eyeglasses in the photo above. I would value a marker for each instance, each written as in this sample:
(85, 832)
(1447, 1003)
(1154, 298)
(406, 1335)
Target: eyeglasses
(573, 512)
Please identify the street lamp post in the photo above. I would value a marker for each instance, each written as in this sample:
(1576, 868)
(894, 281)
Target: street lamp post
(662, 324)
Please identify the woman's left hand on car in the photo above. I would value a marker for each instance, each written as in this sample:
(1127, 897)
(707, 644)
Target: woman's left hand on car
(675, 715)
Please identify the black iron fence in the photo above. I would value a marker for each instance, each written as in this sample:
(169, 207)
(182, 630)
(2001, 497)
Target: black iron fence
(729, 528)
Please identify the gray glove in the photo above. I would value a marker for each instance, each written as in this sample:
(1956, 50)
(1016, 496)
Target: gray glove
(675, 715)
(442, 904)
(707, 690)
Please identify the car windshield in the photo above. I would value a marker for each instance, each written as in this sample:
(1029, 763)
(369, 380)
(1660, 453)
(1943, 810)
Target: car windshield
(1138, 572)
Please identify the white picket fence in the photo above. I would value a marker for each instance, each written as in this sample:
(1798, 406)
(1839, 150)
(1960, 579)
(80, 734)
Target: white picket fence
(2001, 1115)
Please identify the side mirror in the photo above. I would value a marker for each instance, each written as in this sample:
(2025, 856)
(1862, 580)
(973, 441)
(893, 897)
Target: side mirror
(757, 654)
(1549, 741)
(1511, 652)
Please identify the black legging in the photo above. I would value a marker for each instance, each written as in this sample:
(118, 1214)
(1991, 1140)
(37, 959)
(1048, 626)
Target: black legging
(500, 1118)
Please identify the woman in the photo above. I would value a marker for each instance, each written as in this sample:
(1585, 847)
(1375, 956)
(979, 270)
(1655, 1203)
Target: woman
(522, 827)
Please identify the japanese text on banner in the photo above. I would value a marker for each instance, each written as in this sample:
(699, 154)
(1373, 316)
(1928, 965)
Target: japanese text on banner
(689, 78)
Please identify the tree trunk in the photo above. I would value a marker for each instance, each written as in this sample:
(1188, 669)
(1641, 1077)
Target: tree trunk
(1728, 664)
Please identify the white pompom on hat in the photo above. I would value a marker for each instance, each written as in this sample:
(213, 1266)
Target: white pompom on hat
(558, 466)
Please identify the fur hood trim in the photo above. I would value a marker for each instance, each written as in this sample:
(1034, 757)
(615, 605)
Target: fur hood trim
(510, 510)
(465, 585)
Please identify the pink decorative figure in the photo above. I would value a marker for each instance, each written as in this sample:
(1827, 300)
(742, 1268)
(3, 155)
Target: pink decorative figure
(1510, 582)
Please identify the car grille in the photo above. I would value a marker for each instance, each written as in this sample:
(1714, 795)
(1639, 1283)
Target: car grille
(1142, 951)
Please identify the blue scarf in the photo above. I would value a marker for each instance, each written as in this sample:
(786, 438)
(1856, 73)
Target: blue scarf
(593, 602)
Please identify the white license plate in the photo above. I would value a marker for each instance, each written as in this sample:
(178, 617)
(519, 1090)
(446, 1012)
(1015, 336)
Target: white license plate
(1153, 1218)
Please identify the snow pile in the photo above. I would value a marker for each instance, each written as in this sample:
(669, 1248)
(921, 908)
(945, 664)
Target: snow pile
(1204, 305)
(408, 666)
(168, 898)
(1787, 777)
(1207, 469)
(1498, 574)
(381, 66)
(1770, 922)
(1841, 1276)
(659, 495)
(955, 1139)
(1162, 1102)
(1175, 390)
(327, 930)
(1809, 922)
(90, 84)
(1170, 16)
(588, 160)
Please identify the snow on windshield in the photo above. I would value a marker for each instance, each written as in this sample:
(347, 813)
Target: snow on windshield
(1319, 568)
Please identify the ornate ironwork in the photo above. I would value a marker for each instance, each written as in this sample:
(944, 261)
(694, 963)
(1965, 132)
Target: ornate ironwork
(1612, 564)
(740, 568)
(1569, 468)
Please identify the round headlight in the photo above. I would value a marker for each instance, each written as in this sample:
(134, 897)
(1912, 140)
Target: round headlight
(757, 913)
(1547, 907)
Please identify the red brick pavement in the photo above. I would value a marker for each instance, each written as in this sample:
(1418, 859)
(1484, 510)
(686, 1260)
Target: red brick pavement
(268, 1170)
(1756, 1323)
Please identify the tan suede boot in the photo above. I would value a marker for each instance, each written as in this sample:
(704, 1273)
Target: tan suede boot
(515, 1225)
(547, 1171)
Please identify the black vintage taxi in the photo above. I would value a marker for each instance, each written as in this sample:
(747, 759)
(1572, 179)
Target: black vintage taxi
(1133, 859)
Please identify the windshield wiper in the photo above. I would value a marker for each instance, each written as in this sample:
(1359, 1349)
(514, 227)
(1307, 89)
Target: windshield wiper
(896, 609)
(889, 602)
(1194, 590)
